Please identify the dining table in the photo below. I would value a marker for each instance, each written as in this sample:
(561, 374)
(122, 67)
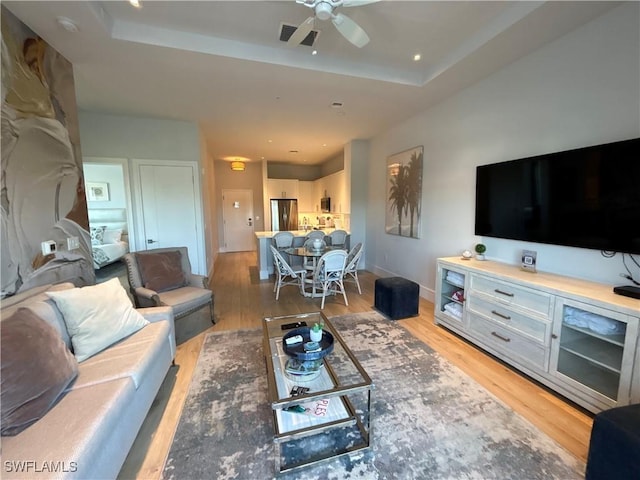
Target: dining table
(313, 253)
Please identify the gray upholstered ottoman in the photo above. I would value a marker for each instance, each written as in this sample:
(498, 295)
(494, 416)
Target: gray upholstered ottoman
(397, 297)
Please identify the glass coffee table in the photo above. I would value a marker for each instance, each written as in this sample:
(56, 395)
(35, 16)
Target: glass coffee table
(321, 411)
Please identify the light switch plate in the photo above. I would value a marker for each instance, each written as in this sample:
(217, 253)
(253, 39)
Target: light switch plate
(73, 243)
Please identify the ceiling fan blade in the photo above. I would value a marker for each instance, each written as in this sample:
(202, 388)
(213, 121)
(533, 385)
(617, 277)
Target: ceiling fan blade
(350, 30)
(357, 3)
(301, 32)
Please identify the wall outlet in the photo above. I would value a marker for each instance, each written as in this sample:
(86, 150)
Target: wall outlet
(73, 243)
(48, 247)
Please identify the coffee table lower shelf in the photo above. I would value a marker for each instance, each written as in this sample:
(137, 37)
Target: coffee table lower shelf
(295, 427)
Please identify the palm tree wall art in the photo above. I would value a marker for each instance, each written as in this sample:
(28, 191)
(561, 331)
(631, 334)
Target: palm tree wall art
(404, 193)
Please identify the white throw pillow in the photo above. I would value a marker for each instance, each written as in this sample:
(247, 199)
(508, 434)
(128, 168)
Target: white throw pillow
(97, 316)
(112, 235)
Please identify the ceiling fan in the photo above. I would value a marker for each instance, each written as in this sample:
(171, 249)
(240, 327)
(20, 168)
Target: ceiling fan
(325, 10)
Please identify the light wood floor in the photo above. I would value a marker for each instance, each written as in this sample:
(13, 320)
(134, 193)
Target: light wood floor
(242, 300)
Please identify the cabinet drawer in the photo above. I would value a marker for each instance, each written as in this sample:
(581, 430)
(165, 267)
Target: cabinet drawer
(531, 327)
(509, 294)
(509, 342)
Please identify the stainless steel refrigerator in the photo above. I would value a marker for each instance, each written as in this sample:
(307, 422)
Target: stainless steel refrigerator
(284, 214)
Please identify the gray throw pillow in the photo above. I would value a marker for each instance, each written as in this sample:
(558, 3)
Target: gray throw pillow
(161, 271)
(36, 367)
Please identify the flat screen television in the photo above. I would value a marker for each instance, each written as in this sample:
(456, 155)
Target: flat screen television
(587, 197)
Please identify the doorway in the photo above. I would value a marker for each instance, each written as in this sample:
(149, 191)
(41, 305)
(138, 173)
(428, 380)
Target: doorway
(237, 220)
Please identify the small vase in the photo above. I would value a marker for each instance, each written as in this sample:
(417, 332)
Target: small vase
(317, 244)
(315, 335)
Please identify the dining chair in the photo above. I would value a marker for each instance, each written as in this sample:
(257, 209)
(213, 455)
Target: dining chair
(328, 275)
(351, 268)
(338, 238)
(285, 274)
(313, 234)
(282, 241)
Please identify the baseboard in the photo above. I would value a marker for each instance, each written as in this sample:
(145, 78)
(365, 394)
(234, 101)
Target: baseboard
(425, 292)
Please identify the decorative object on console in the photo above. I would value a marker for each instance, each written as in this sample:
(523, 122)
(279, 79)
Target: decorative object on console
(480, 249)
(529, 260)
(467, 255)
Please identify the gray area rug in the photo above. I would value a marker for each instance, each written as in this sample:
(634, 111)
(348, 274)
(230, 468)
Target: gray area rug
(430, 420)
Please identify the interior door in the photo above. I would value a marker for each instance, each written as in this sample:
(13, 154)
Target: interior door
(237, 214)
(169, 208)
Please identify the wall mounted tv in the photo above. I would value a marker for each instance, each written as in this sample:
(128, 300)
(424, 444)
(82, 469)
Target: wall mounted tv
(587, 197)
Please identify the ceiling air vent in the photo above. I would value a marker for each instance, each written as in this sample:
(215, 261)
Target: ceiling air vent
(287, 30)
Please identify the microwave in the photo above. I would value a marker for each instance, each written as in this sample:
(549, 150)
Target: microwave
(325, 204)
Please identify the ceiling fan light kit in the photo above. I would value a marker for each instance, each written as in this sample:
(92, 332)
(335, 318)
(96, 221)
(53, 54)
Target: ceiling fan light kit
(325, 10)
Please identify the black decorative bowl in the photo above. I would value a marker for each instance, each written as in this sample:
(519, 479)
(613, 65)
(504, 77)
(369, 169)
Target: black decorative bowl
(297, 350)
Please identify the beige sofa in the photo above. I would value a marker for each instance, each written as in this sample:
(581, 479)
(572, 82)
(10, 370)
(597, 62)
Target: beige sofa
(89, 432)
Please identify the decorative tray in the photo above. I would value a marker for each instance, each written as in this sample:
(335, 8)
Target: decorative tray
(298, 350)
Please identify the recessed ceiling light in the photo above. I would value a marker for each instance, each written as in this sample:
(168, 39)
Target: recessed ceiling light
(68, 24)
(270, 141)
(417, 57)
(314, 52)
(324, 144)
(135, 3)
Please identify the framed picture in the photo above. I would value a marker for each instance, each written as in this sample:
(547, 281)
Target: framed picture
(404, 193)
(97, 191)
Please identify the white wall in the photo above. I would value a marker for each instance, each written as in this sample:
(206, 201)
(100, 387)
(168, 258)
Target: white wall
(104, 135)
(582, 89)
(111, 174)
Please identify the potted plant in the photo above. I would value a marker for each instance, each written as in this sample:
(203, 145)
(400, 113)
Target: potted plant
(480, 249)
(315, 333)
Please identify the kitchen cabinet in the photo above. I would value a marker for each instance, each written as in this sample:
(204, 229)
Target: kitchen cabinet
(306, 203)
(576, 337)
(282, 188)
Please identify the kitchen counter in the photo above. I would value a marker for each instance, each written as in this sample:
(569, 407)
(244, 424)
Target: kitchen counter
(296, 233)
(263, 240)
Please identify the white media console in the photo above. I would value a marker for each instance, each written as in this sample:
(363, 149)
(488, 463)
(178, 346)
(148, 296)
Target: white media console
(574, 336)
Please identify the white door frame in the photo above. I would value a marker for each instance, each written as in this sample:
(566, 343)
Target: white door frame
(124, 163)
(137, 197)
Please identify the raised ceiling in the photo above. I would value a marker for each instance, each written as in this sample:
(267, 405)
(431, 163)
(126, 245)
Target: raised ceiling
(222, 65)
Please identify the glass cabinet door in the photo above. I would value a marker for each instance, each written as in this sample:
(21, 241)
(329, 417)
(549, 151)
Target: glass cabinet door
(594, 348)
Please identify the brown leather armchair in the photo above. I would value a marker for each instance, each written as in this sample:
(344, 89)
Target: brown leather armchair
(163, 277)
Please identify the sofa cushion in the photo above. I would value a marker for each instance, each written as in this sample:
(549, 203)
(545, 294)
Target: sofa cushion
(76, 432)
(133, 357)
(97, 316)
(185, 299)
(36, 367)
(161, 271)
